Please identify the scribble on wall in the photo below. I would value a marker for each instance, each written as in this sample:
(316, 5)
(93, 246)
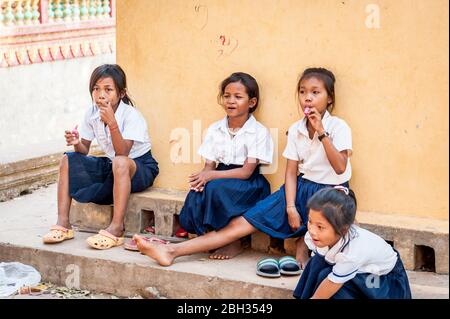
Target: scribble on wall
(227, 45)
(201, 16)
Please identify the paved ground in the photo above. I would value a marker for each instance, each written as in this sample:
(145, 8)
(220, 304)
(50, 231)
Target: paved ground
(25, 219)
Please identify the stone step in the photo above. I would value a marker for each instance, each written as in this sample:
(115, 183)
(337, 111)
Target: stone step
(119, 272)
(123, 273)
(421, 242)
(24, 172)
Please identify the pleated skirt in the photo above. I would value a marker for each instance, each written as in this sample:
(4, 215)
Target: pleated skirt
(394, 285)
(91, 178)
(222, 200)
(270, 217)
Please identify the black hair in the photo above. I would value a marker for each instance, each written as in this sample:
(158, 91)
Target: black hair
(251, 87)
(337, 207)
(324, 75)
(116, 73)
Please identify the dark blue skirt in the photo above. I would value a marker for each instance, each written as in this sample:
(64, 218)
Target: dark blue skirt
(270, 216)
(91, 178)
(222, 200)
(394, 285)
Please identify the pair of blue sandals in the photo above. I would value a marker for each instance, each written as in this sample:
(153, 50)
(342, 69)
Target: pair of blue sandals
(273, 268)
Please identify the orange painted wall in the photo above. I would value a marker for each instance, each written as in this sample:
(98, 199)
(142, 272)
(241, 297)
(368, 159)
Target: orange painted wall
(392, 82)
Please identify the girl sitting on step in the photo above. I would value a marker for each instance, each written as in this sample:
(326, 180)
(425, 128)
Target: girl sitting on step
(230, 182)
(121, 132)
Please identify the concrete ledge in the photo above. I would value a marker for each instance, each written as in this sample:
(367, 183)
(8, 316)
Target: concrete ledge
(123, 273)
(406, 233)
(158, 204)
(29, 174)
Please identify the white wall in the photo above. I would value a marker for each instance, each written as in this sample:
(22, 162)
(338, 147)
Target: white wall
(38, 102)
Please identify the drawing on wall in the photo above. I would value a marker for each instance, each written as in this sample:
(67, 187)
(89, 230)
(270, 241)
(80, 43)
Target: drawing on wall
(227, 45)
(201, 16)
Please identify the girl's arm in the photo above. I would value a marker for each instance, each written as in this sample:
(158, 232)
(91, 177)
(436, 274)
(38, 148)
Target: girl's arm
(80, 145)
(338, 160)
(83, 146)
(290, 185)
(198, 180)
(326, 289)
(120, 145)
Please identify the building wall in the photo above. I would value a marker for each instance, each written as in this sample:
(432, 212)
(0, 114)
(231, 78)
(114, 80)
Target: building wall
(392, 83)
(41, 101)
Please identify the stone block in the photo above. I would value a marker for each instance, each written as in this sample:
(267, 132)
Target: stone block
(90, 216)
(260, 242)
(290, 246)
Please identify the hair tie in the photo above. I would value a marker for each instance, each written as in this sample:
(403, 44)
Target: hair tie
(342, 189)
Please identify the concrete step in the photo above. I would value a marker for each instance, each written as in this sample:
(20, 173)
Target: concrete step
(24, 170)
(422, 242)
(124, 273)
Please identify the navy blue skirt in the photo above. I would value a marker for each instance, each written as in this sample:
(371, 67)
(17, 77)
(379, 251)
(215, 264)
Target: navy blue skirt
(270, 216)
(91, 178)
(394, 285)
(221, 200)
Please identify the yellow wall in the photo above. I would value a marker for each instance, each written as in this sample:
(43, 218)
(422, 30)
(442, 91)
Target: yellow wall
(392, 82)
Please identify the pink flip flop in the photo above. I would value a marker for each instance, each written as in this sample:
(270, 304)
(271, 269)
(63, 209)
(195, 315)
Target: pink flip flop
(131, 245)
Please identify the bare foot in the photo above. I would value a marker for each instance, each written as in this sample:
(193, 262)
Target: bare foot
(229, 251)
(160, 253)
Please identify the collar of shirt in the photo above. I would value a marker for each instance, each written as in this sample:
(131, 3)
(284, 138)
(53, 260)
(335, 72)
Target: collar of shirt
(249, 125)
(330, 253)
(301, 127)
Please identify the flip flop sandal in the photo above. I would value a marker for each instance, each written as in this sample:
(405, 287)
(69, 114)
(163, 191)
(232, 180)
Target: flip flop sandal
(149, 230)
(131, 245)
(57, 234)
(268, 267)
(289, 266)
(181, 233)
(104, 240)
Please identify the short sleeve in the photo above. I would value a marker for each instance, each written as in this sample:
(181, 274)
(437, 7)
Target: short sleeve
(86, 130)
(290, 152)
(342, 137)
(344, 270)
(263, 148)
(206, 150)
(135, 127)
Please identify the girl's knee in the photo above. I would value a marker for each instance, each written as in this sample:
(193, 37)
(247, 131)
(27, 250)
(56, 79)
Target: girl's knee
(121, 164)
(64, 162)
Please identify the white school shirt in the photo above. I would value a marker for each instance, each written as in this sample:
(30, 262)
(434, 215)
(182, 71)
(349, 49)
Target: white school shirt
(359, 251)
(310, 154)
(252, 140)
(131, 124)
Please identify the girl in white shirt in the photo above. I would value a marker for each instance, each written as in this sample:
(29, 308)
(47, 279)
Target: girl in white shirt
(121, 132)
(233, 148)
(317, 152)
(348, 261)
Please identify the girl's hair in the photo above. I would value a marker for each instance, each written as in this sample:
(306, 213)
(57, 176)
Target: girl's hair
(324, 75)
(338, 206)
(251, 87)
(118, 76)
